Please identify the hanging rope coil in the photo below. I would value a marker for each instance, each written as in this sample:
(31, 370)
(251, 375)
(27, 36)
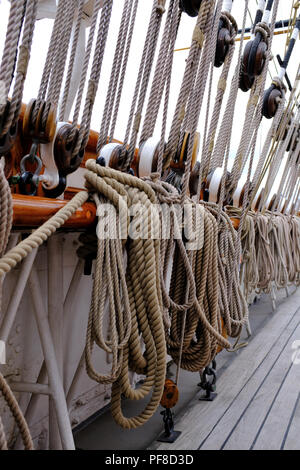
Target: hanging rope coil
(144, 303)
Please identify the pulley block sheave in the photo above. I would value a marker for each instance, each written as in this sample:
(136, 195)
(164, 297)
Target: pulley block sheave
(238, 195)
(113, 155)
(272, 98)
(148, 157)
(246, 81)
(223, 42)
(40, 129)
(64, 145)
(226, 34)
(191, 7)
(214, 182)
(179, 161)
(253, 61)
(257, 55)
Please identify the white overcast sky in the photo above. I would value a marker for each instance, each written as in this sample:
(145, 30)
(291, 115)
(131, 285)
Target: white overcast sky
(42, 35)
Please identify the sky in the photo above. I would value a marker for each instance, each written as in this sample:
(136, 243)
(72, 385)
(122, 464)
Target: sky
(42, 35)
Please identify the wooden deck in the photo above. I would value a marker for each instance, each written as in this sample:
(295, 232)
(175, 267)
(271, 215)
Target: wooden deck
(258, 402)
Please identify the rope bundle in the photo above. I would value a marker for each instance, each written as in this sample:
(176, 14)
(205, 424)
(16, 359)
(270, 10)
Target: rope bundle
(270, 250)
(139, 315)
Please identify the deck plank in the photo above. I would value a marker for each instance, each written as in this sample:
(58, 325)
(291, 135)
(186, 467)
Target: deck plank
(266, 416)
(278, 421)
(201, 420)
(291, 440)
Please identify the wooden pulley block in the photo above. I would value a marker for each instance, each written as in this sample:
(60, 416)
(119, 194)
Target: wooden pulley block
(178, 163)
(148, 157)
(257, 57)
(238, 195)
(213, 184)
(272, 98)
(170, 394)
(63, 150)
(42, 133)
(246, 81)
(191, 7)
(113, 155)
(223, 42)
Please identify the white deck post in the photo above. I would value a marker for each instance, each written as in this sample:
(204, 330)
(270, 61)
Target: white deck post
(17, 295)
(55, 381)
(55, 316)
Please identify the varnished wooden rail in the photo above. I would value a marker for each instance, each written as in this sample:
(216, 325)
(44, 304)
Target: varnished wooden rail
(31, 212)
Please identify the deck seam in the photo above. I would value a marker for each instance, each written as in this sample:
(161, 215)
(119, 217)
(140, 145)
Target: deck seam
(273, 401)
(249, 379)
(286, 434)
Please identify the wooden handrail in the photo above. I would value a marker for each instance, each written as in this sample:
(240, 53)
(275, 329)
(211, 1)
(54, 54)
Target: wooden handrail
(31, 212)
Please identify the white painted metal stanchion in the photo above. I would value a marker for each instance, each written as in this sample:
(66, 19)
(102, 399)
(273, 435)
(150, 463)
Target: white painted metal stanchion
(55, 381)
(16, 297)
(55, 316)
(68, 306)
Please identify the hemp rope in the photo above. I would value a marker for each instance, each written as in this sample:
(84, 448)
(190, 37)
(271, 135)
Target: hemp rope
(94, 78)
(142, 285)
(17, 67)
(85, 65)
(143, 78)
(120, 62)
(70, 71)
